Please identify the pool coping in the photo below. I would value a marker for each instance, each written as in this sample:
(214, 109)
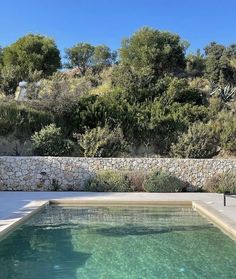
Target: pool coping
(15, 220)
(225, 224)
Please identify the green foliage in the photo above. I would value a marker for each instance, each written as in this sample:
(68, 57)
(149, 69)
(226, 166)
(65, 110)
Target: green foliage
(5, 127)
(200, 141)
(129, 181)
(30, 53)
(195, 64)
(153, 53)
(145, 58)
(49, 142)
(103, 57)
(59, 95)
(109, 181)
(85, 56)
(179, 91)
(226, 125)
(21, 120)
(219, 68)
(9, 79)
(163, 182)
(227, 138)
(80, 56)
(0, 56)
(155, 94)
(188, 114)
(221, 183)
(102, 142)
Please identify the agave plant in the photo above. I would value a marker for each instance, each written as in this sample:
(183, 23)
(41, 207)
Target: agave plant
(226, 93)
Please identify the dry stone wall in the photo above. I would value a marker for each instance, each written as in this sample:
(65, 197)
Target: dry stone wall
(62, 173)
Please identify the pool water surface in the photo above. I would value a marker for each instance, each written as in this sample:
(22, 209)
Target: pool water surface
(117, 242)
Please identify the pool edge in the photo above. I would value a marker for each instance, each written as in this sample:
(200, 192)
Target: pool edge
(225, 224)
(15, 220)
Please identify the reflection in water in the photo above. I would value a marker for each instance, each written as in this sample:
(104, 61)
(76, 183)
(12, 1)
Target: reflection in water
(34, 254)
(130, 229)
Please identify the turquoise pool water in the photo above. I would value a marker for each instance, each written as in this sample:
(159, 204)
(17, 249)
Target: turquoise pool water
(116, 242)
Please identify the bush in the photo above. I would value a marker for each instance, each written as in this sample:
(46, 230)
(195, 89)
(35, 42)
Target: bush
(49, 142)
(109, 181)
(21, 119)
(58, 95)
(163, 182)
(137, 179)
(201, 141)
(5, 127)
(179, 91)
(228, 136)
(132, 181)
(102, 142)
(225, 182)
(9, 79)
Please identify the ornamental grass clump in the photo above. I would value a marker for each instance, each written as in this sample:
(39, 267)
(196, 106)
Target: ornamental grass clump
(163, 182)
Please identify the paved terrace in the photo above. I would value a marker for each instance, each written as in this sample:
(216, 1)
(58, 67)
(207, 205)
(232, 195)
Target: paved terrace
(15, 207)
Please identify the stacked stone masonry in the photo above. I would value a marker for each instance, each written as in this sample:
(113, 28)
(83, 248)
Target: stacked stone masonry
(62, 173)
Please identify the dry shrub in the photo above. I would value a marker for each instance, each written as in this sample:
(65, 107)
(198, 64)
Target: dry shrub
(220, 183)
(137, 179)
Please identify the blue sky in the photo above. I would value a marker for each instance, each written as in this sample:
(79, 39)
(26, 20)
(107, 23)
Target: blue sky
(108, 21)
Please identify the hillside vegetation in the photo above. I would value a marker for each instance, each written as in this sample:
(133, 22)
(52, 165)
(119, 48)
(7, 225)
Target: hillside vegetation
(149, 98)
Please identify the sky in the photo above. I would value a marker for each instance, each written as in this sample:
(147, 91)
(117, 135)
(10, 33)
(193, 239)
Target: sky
(108, 22)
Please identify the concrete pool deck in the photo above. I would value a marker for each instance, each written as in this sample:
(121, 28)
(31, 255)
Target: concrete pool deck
(16, 207)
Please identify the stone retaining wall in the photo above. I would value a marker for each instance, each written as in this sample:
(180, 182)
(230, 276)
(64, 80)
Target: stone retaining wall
(62, 173)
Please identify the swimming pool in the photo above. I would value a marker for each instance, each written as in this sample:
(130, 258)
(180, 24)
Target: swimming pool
(117, 242)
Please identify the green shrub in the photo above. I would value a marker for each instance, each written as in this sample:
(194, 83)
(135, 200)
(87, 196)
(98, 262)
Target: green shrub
(228, 136)
(225, 182)
(201, 141)
(109, 181)
(163, 182)
(49, 142)
(5, 127)
(179, 91)
(102, 142)
(21, 119)
(9, 79)
(132, 181)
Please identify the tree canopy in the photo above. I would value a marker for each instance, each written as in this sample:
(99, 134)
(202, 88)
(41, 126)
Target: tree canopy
(220, 63)
(153, 52)
(84, 56)
(32, 53)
